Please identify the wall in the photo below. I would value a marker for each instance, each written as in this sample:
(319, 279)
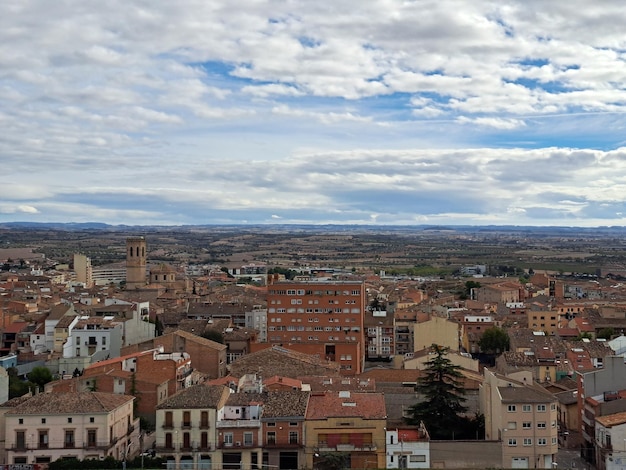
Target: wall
(465, 454)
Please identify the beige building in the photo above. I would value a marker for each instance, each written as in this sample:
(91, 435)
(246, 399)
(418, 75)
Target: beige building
(523, 417)
(82, 425)
(418, 360)
(83, 270)
(546, 321)
(437, 330)
(186, 427)
(346, 424)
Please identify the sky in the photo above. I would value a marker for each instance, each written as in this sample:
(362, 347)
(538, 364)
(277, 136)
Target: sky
(386, 112)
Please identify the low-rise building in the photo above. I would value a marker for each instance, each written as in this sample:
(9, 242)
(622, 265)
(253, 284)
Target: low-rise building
(82, 425)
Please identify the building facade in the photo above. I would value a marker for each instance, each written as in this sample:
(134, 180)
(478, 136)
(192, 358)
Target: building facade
(322, 318)
(82, 425)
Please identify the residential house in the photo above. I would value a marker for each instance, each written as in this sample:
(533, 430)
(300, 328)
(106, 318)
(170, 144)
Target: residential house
(408, 447)
(82, 425)
(186, 432)
(282, 424)
(349, 424)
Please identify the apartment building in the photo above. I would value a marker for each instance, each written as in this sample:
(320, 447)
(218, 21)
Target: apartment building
(380, 333)
(323, 318)
(186, 434)
(544, 320)
(83, 270)
(82, 425)
(523, 416)
(600, 393)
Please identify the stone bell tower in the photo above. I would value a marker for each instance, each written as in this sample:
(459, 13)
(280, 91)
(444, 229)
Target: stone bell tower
(135, 262)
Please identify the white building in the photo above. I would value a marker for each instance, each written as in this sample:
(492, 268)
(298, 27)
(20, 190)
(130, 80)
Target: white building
(408, 448)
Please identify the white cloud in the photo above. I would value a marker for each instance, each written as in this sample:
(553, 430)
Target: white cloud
(329, 111)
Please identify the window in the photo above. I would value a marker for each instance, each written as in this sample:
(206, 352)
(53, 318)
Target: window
(553, 406)
(417, 458)
(553, 440)
(526, 408)
(43, 420)
(271, 425)
(20, 439)
(43, 439)
(168, 440)
(541, 407)
(168, 420)
(512, 442)
(541, 425)
(186, 419)
(511, 425)
(92, 437)
(21, 420)
(271, 437)
(541, 441)
(69, 439)
(204, 419)
(511, 408)
(228, 438)
(247, 439)
(293, 423)
(69, 420)
(528, 441)
(92, 419)
(527, 425)
(293, 437)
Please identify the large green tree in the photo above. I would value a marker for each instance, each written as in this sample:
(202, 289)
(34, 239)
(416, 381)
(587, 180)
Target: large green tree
(494, 341)
(441, 387)
(40, 376)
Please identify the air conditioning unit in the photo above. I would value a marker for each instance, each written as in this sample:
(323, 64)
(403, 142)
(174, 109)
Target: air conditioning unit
(238, 444)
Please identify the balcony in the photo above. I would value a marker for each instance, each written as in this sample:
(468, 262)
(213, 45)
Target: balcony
(238, 445)
(239, 423)
(325, 447)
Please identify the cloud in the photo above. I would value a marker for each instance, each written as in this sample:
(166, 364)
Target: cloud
(406, 111)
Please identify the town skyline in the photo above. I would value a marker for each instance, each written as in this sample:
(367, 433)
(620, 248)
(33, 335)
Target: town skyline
(367, 113)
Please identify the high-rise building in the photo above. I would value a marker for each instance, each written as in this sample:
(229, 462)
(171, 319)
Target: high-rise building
(323, 318)
(83, 270)
(135, 262)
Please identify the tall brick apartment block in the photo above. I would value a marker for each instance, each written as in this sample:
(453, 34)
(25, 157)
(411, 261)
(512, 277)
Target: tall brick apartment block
(323, 318)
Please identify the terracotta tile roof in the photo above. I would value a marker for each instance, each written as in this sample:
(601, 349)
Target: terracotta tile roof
(287, 404)
(609, 421)
(283, 362)
(323, 384)
(197, 396)
(346, 404)
(198, 339)
(71, 403)
(286, 381)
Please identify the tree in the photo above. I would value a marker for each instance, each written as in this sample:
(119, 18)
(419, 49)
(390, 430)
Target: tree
(443, 394)
(40, 376)
(494, 341)
(606, 333)
(17, 387)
